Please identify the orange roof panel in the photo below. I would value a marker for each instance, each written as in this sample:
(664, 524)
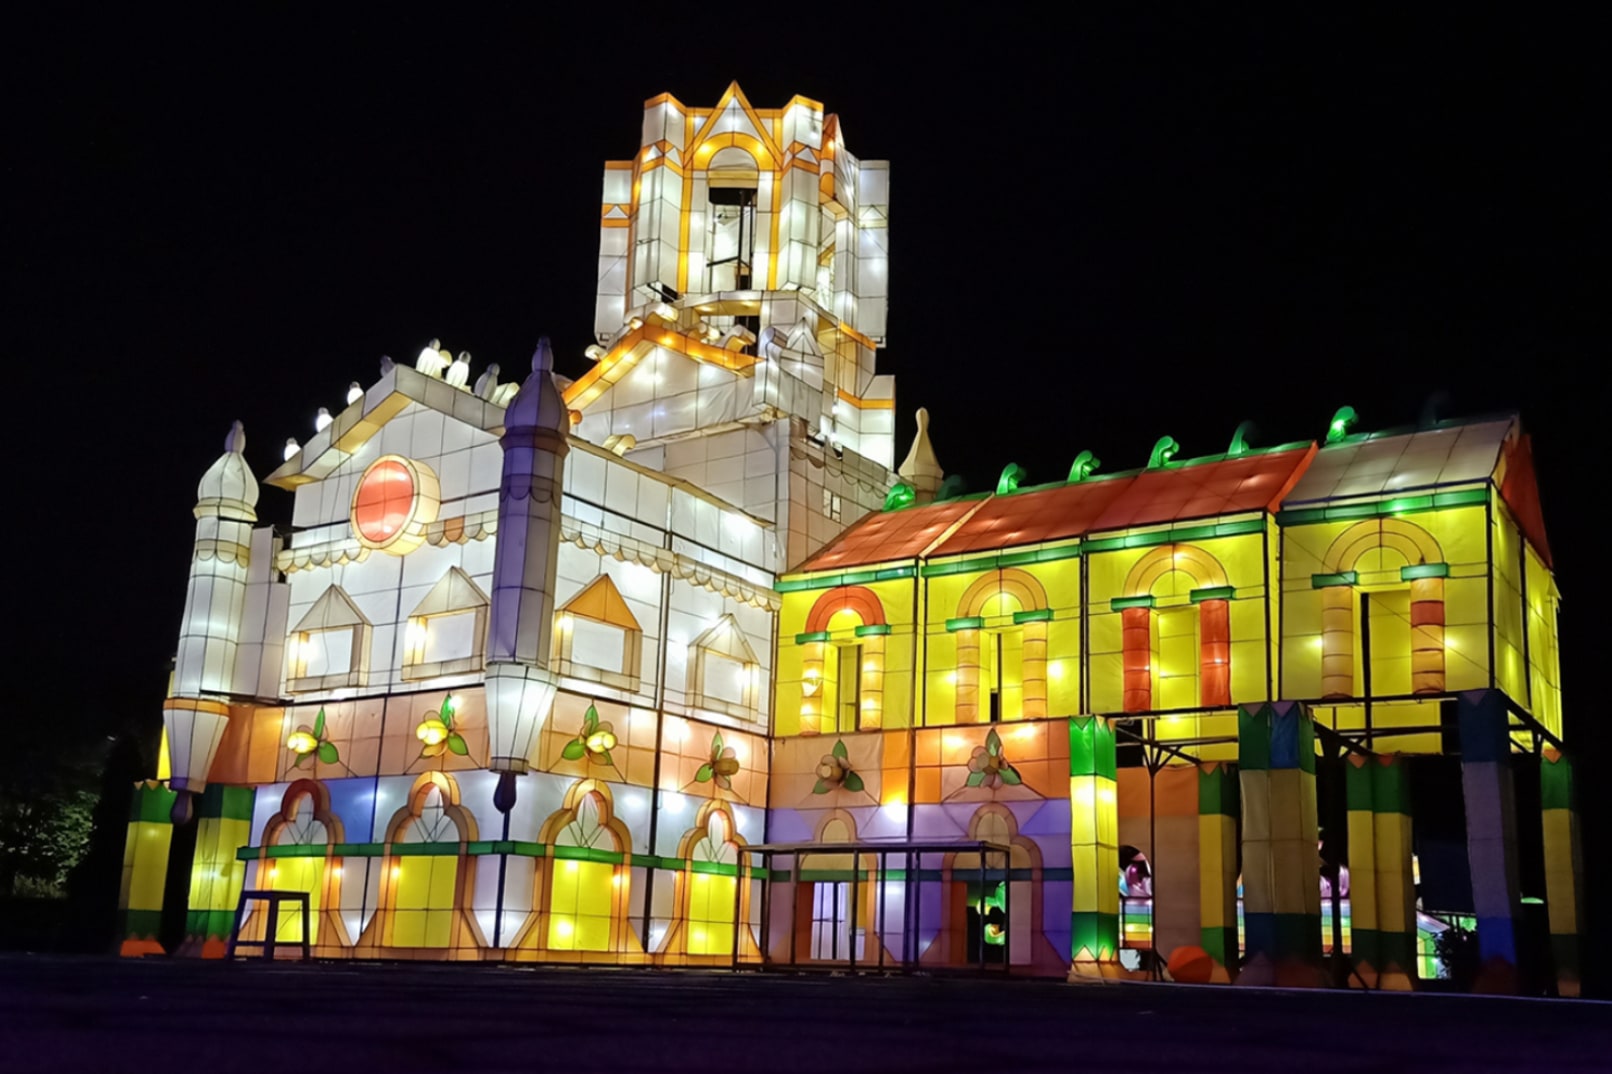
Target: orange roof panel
(1035, 516)
(1206, 490)
(884, 536)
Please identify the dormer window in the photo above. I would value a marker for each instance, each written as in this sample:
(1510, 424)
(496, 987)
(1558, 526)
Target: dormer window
(447, 631)
(329, 647)
(597, 637)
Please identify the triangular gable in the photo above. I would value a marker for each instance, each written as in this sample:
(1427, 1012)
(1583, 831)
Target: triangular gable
(726, 639)
(609, 370)
(333, 610)
(455, 592)
(364, 418)
(602, 602)
(1519, 488)
(732, 117)
(802, 338)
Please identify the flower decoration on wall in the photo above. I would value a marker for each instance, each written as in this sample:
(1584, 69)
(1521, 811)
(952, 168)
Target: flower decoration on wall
(722, 767)
(989, 767)
(594, 740)
(835, 770)
(436, 733)
(308, 742)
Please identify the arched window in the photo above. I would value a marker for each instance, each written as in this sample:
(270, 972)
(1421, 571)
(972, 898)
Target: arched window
(1000, 918)
(842, 689)
(1001, 631)
(709, 893)
(426, 885)
(586, 880)
(306, 827)
(1382, 611)
(1178, 655)
(836, 915)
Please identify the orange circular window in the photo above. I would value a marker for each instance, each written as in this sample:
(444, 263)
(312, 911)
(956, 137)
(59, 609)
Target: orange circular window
(392, 498)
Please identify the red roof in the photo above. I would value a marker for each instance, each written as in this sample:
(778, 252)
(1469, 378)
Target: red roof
(1033, 517)
(1207, 490)
(1520, 490)
(884, 536)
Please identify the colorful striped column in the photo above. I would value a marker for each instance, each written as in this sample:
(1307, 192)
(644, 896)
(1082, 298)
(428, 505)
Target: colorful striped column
(1218, 806)
(1564, 867)
(224, 826)
(1094, 840)
(145, 868)
(1214, 670)
(1382, 891)
(1136, 640)
(1337, 641)
(1491, 835)
(1281, 865)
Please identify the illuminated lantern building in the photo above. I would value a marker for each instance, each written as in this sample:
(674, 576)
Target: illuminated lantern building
(609, 669)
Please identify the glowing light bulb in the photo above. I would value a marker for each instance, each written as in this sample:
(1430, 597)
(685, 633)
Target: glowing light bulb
(355, 392)
(431, 732)
(291, 448)
(321, 420)
(302, 742)
(601, 742)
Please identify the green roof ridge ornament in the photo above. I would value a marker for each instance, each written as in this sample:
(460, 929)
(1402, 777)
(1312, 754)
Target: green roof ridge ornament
(1342, 422)
(1013, 476)
(1239, 439)
(900, 495)
(1085, 464)
(951, 488)
(1163, 452)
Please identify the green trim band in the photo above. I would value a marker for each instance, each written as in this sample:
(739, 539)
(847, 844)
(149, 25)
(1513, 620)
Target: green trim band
(1174, 534)
(989, 561)
(1324, 581)
(1034, 615)
(967, 622)
(1119, 604)
(830, 581)
(807, 639)
(1214, 592)
(1424, 570)
(1399, 505)
(877, 630)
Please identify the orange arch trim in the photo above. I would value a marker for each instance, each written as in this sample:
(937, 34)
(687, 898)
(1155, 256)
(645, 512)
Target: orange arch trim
(1020, 585)
(1406, 538)
(859, 599)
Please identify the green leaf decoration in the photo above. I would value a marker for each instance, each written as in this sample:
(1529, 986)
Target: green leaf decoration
(1010, 776)
(456, 744)
(976, 778)
(821, 788)
(590, 721)
(851, 782)
(328, 753)
(319, 724)
(446, 716)
(704, 774)
(574, 750)
(993, 743)
(606, 758)
(839, 749)
(716, 744)
(300, 758)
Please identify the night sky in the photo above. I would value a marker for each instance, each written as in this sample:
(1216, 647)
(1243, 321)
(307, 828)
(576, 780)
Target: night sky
(1102, 232)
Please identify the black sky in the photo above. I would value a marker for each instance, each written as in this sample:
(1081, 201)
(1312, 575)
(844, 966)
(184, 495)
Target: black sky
(1103, 230)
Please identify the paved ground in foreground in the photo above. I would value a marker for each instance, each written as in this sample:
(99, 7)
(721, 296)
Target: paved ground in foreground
(59, 1014)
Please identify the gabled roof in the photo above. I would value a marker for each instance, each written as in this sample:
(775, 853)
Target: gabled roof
(602, 602)
(454, 592)
(1209, 489)
(333, 610)
(1036, 515)
(884, 536)
(363, 419)
(1519, 487)
(1391, 463)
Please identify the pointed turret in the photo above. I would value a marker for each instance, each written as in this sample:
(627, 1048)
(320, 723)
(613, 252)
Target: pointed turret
(520, 687)
(921, 469)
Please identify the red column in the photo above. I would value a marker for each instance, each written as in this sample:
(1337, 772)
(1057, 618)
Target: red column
(1136, 629)
(1214, 639)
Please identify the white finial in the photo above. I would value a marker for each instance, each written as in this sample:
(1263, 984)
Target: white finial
(921, 469)
(321, 420)
(543, 357)
(432, 361)
(487, 383)
(235, 442)
(291, 448)
(458, 374)
(355, 392)
(387, 365)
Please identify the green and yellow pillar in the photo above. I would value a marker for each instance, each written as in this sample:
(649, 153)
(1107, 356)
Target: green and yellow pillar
(1489, 794)
(1382, 888)
(1564, 867)
(1094, 839)
(1218, 806)
(1281, 865)
(145, 869)
(224, 825)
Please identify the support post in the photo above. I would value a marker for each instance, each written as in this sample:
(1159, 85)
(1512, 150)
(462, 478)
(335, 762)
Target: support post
(1281, 869)
(1382, 893)
(1218, 806)
(145, 869)
(216, 877)
(1491, 835)
(1564, 867)
(1094, 840)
